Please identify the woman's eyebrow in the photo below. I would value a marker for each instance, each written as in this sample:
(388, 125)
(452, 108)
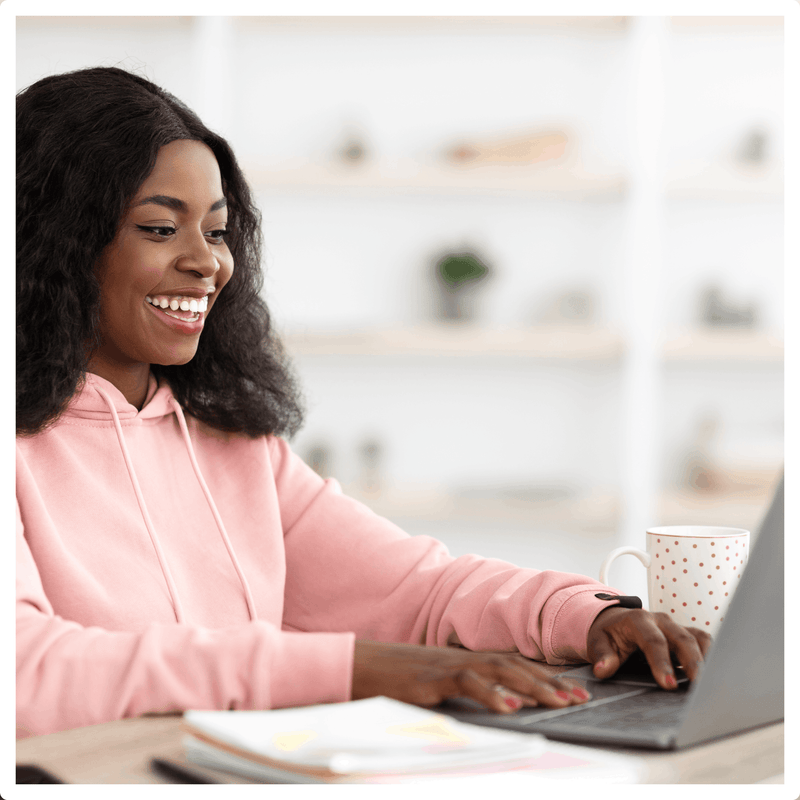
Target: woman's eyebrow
(176, 204)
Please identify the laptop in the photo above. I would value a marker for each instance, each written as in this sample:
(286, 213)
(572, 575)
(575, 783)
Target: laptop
(741, 685)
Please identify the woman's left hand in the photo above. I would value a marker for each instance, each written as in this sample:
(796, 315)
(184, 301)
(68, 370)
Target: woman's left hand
(618, 632)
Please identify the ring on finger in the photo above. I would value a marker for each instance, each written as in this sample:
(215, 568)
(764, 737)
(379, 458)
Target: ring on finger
(512, 699)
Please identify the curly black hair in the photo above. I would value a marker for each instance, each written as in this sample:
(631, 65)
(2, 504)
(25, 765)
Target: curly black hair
(86, 141)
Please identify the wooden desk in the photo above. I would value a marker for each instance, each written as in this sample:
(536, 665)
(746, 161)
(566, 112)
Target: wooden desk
(120, 752)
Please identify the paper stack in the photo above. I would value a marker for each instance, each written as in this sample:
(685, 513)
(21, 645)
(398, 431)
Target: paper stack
(377, 740)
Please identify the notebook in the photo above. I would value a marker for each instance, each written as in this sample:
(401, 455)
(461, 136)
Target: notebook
(741, 686)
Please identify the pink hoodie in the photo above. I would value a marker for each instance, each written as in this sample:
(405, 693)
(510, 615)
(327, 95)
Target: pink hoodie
(164, 565)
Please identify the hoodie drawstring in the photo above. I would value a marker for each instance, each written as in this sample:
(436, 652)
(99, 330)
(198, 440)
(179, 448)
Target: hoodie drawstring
(179, 615)
(173, 592)
(251, 606)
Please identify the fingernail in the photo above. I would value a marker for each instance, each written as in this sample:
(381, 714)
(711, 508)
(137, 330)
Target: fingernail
(562, 695)
(512, 702)
(581, 694)
(671, 682)
(600, 665)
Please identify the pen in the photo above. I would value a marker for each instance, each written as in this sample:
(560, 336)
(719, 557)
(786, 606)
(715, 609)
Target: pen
(178, 772)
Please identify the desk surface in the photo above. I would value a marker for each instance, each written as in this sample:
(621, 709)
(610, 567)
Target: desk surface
(120, 752)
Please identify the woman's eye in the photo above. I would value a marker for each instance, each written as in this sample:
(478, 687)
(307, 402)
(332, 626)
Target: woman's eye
(158, 230)
(217, 236)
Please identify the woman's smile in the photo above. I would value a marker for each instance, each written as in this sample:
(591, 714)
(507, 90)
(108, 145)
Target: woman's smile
(186, 309)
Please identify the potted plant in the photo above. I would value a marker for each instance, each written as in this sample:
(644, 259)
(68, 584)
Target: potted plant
(458, 274)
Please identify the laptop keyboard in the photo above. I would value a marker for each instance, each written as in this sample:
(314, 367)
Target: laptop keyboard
(647, 716)
(640, 711)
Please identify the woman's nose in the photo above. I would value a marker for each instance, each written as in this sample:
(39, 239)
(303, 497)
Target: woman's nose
(198, 257)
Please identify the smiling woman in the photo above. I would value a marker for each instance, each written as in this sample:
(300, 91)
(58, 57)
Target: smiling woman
(172, 552)
(95, 154)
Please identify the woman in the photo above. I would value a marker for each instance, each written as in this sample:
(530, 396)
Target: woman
(172, 552)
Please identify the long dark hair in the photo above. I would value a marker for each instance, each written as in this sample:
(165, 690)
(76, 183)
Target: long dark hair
(86, 141)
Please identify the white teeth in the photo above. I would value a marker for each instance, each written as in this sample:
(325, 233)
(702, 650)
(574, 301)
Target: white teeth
(183, 304)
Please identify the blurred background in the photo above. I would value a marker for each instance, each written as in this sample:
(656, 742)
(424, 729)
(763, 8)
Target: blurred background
(530, 270)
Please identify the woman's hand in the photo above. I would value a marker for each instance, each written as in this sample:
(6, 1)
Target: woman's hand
(618, 632)
(426, 676)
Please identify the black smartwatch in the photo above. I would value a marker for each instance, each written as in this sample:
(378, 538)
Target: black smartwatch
(625, 600)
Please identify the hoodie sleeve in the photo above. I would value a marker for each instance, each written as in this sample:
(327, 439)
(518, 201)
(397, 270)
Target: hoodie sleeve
(349, 569)
(69, 675)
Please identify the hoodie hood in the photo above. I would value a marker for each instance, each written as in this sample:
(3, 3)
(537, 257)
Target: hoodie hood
(88, 403)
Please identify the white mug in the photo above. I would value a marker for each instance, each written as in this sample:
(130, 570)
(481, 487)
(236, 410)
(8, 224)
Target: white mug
(692, 571)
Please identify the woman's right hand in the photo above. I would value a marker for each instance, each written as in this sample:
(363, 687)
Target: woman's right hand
(426, 676)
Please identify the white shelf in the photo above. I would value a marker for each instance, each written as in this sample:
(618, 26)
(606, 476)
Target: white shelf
(724, 346)
(568, 180)
(721, 182)
(576, 342)
(143, 22)
(745, 24)
(735, 508)
(435, 24)
(595, 511)
(726, 181)
(740, 506)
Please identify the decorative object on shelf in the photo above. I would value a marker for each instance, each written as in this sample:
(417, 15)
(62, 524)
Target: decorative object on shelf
(370, 457)
(353, 150)
(458, 276)
(753, 149)
(716, 311)
(531, 148)
(523, 493)
(318, 457)
(576, 305)
(699, 470)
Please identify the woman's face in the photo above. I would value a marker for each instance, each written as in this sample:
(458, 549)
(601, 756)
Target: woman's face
(166, 266)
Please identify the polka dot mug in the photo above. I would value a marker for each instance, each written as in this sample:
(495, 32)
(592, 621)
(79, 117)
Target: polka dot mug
(692, 571)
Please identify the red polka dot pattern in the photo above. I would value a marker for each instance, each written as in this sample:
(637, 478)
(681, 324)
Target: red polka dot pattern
(689, 584)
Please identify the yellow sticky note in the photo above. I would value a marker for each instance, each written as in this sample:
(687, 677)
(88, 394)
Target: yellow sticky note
(292, 740)
(436, 729)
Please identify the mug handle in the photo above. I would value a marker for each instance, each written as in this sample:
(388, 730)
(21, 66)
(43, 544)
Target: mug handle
(645, 558)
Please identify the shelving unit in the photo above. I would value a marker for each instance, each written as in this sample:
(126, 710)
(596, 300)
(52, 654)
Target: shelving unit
(726, 182)
(724, 347)
(570, 181)
(507, 25)
(595, 512)
(572, 342)
(636, 350)
(568, 342)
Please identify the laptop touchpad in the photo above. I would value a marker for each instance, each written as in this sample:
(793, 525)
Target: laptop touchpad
(634, 672)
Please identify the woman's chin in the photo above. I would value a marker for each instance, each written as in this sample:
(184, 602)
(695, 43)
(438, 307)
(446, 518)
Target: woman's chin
(176, 359)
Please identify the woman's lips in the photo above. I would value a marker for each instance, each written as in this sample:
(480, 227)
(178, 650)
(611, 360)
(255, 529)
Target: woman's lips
(182, 320)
